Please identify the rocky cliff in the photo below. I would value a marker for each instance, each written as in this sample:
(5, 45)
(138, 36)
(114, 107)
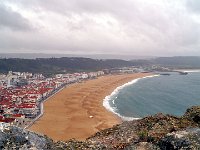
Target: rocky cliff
(160, 132)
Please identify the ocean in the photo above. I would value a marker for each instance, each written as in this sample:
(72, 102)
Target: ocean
(165, 94)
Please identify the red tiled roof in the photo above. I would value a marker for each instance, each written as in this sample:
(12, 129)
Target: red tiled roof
(26, 106)
(7, 120)
(17, 115)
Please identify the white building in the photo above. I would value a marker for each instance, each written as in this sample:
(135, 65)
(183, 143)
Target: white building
(84, 76)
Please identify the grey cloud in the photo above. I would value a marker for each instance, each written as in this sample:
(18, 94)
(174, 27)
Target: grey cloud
(193, 5)
(114, 7)
(12, 20)
(108, 26)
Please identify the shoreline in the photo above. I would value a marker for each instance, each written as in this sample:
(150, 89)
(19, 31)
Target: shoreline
(41, 108)
(77, 111)
(108, 98)
(188, 70)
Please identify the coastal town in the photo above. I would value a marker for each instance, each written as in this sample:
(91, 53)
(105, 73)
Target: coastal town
(22, 94)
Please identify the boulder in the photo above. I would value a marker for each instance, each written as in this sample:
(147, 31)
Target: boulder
(193, 114)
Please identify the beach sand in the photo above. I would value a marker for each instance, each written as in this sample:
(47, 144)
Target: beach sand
(77, 111)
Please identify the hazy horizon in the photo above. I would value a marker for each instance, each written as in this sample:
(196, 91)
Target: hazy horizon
(93, 56)
(50, 55)
(100, 27)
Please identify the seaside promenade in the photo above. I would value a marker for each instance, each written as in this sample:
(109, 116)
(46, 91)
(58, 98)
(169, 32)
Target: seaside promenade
(77, 111)
(41, 105)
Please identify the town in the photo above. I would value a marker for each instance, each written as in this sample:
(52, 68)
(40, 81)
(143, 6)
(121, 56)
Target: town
(22, 93)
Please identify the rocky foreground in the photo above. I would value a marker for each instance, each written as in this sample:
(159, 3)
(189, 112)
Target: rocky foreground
(159, 132)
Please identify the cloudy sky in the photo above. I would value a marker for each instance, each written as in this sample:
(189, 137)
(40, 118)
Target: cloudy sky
(128, 27)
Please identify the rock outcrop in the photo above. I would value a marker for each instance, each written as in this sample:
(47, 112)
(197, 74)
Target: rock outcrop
(12, 137)
(193, 114)
(186, 139)
(158, 132)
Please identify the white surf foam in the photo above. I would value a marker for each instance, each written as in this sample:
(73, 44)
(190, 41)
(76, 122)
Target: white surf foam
(113, 96)
(190, 70)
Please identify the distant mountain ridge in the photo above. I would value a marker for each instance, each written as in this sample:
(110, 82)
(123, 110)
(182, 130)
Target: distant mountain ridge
(178, 61)
(49, 66)
(190, 62)
(93, 56)
(58, 65)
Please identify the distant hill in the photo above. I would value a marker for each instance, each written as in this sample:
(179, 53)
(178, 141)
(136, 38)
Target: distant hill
(93, 56)
(50, 66)
(181, 62)
(186, 62)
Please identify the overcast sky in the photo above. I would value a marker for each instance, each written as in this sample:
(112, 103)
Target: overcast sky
(128, 27)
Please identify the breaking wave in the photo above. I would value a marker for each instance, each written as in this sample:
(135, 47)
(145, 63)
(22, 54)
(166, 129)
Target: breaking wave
(109, 101)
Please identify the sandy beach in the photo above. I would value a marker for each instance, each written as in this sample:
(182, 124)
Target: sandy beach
(68, 113)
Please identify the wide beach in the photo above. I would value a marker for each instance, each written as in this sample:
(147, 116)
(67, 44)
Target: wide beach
(77, 111)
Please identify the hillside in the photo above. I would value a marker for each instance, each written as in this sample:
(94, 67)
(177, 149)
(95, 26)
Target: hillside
(160, 132)
(181, 62)
(50, 66)
(178, 62)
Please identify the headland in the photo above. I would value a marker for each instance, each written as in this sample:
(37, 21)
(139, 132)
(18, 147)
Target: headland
(77, 111)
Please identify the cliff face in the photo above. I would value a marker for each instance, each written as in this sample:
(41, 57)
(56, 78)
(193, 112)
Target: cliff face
(12, 137)
(193, 114)
(161, 132)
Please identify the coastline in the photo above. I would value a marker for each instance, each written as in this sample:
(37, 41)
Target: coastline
(107, 99)
(188, 70)
(41, 105)
(77, 111)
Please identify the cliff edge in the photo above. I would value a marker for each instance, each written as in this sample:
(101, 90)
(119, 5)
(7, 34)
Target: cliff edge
(160, 132)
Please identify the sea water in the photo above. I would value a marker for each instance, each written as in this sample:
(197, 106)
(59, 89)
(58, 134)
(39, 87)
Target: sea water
(142, 97)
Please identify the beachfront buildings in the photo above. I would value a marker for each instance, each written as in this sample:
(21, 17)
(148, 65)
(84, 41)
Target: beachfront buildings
(22, 94)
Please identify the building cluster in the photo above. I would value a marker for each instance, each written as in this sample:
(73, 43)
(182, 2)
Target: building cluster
(21, 94)
(124, 70)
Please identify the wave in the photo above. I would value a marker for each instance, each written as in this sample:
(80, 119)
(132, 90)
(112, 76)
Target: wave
(190, 70)
(113, 96)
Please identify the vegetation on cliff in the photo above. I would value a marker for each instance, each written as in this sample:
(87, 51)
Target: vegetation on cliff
(160, 132)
